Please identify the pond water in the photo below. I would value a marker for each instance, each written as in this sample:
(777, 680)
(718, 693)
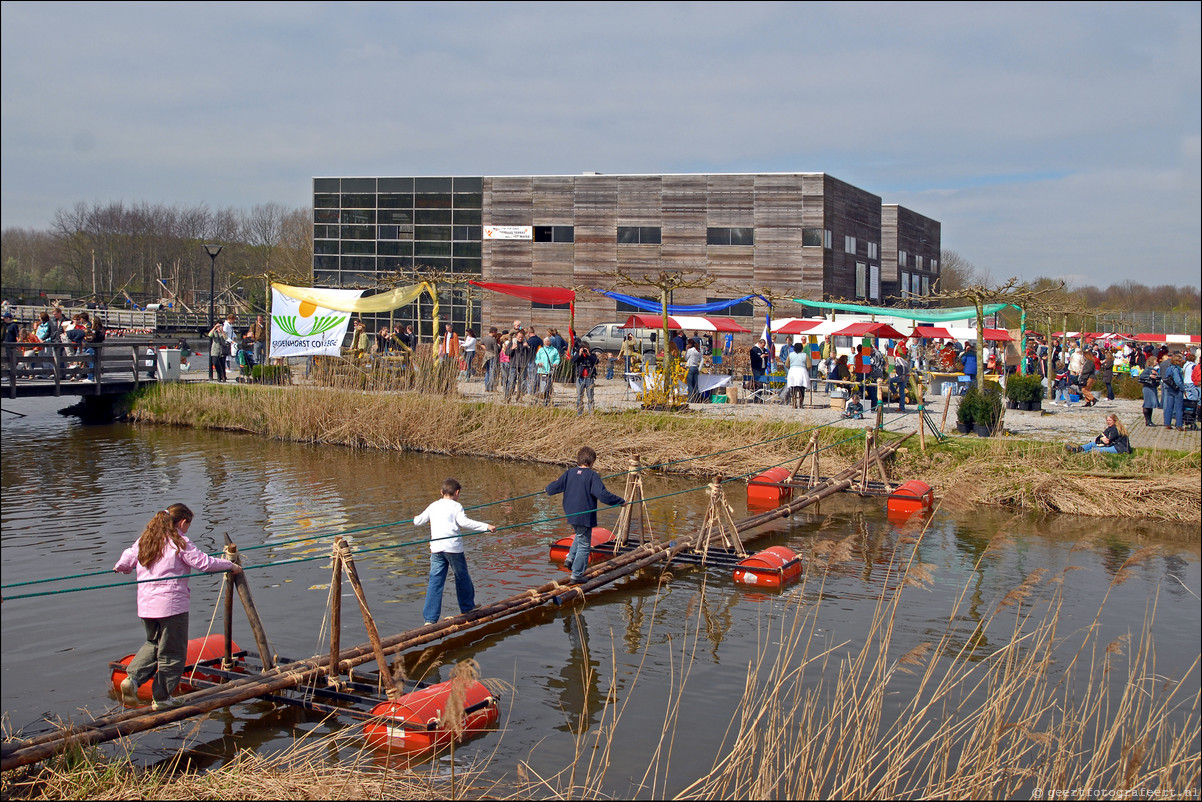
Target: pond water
(670, 656)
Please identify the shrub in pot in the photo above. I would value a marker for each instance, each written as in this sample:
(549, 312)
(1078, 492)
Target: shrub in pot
(987, 411)
(966, 411)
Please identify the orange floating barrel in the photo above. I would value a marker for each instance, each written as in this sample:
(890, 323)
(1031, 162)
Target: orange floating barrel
(773, 567)
(211, 647)
(909, 498)
(559, 549)
(414, 723)
(764, 490)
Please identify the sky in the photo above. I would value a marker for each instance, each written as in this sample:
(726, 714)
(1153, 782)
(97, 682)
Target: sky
(1049, 139)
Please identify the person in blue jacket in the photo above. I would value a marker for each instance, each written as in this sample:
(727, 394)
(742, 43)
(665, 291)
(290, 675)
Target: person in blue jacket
(582, 489)
(969, 360)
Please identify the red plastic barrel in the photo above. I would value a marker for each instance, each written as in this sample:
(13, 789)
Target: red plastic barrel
(413, 723)
(559, 549)
(763, 491)
(211, 647)
(911, 497)
(773, 567)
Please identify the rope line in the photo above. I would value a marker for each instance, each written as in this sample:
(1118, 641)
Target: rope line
(408, 522)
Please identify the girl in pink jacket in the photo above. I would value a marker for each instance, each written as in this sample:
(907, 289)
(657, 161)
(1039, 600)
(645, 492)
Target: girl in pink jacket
(163, 553)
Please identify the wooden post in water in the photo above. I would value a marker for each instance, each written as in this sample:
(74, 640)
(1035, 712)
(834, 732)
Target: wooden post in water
(252, 613)
(334, 678)
(348, 564)
(227, 661)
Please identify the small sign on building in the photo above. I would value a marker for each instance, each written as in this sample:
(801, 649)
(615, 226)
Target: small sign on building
(509, 232)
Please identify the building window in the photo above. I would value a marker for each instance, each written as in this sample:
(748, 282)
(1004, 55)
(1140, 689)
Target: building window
(861, 280)
(730, 236)
(926, 286)
(811, 237)
(638, 235)
(918, 263)
(905, 285)
(624, 308)
(901, 259)
(874, 250)
(935, 266)
(849, 245)
(875, 288)
(738, 310)
(554, 234)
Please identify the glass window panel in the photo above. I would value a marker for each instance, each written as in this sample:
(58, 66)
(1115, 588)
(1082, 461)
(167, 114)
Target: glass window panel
(432, 233)
(469, 200)
(432, 201)
(744, 309)
(432, 262)
(401, 216)
(628, 235)
(565, 234)
(325, 201)
(394, 248)
(325, 246)
(363, 276)
(359, 185)
(544, 234)
(432, 184)
(389, 232)
(649, 235)
(475, 233)
(326, 184)
(432, 217)
(395, 185)
(469, 184)
(325, 215)
(325, 232)
(325, 262)
(358, 232)
(467, 266)
(396, 201)
(467, 249)
(358, 201)
(359, 246)
(358, 215)
(325, 278)
(461, 233)
(717, 236)
(811, 237)
(468, 217)
(431, 248)
(742, 236)
(390, 263)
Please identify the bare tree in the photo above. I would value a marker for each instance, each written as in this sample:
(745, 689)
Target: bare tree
(957, 272)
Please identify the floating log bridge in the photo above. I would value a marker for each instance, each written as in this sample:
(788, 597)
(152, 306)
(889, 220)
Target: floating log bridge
(329, 668)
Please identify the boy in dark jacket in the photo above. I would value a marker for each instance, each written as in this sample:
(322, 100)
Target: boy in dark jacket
(582, 488)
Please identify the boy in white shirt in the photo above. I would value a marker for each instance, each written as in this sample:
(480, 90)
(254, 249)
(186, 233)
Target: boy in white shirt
(447, 521)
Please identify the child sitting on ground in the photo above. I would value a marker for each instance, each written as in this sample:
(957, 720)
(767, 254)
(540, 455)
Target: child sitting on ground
(854, 409)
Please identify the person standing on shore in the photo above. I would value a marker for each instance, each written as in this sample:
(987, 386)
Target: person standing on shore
(584, 369)
(164, 553)
(582, 489)
(1172, 383)
(447, 522)
(488, 343)
(546, 360)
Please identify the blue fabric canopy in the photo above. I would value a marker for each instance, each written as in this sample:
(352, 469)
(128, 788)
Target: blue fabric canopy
(679, 309)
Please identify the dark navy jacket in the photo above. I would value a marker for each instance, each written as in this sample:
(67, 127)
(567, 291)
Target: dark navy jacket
(582, 488)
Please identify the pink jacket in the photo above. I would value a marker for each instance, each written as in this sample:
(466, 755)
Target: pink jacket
(170, 596)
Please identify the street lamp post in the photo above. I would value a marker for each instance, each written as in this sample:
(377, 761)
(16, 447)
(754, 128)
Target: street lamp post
(212, 250)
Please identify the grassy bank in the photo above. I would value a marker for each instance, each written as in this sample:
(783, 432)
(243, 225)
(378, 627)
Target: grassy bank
(1018, 474)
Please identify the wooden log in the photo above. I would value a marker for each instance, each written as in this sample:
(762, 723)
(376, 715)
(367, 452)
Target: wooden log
(252, 613)
(335, 671)
(348, 565)
(227, 661)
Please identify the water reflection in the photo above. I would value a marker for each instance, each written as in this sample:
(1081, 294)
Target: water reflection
(578, 680)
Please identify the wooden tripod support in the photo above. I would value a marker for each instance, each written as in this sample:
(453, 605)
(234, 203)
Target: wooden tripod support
(811, 452)
(252, 613)
(634, 500)
(719, 523)
(873, 456)
(343, 561)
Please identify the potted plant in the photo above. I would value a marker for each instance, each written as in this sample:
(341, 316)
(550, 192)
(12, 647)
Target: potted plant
(966, 411)
(271, 374)
(987, 412)
(1024, 391)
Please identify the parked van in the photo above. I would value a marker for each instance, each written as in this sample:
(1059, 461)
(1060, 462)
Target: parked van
(609, 337)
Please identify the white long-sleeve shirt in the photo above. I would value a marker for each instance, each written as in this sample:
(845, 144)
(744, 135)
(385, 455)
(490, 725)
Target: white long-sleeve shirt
(447, 520)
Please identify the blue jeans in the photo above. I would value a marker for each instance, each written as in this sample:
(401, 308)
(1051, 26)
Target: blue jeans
(692, 378)
(1174, 407)
(577, 557)
(162, 656)
(490, 373)
(1092, 446)
(464, 590)
(897, 385)
(584, 389)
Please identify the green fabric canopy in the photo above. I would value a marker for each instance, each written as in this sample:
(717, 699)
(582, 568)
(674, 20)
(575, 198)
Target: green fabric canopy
(920, 315)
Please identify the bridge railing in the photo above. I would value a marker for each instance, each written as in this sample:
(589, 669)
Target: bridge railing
(54, 364)
(135, 321)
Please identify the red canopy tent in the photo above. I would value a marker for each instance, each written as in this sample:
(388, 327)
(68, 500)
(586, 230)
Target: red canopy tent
(997, 336)
(931, 331)
(1171, 339)
(683, 322)
(870, 329)
(797, 326)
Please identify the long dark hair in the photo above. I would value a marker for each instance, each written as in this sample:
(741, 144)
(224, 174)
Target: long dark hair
(163, 526)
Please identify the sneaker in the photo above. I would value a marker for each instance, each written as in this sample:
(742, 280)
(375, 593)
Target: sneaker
(430, 623)
(129, 690)
(167, 704)
(1072, 449)
(576, 580)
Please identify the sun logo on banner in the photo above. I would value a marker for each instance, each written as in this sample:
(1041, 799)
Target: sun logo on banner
(320, 325)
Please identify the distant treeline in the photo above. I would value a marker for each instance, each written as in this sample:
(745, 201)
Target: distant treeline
(117, 248)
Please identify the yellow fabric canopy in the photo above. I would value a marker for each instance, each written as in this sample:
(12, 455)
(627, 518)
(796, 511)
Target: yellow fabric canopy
(347, 301)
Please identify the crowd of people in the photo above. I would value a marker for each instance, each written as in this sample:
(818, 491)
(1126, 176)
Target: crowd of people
(81, 332)
(227, 349)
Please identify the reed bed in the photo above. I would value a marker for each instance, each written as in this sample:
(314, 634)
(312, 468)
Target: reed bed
(999, 471)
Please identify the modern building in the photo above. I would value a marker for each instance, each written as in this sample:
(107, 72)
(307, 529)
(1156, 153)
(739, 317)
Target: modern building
(784, 234)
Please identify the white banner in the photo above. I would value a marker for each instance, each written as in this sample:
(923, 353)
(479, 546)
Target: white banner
(301, 328)
(509, 232)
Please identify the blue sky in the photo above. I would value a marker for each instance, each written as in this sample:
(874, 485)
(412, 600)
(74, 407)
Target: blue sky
(1048, 138)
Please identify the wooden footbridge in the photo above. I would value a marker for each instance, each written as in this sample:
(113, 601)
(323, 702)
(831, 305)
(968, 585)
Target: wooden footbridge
(114, 367)
(325, 683)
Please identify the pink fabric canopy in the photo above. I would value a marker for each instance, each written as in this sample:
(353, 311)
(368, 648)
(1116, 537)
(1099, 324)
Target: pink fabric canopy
(931, 331)
(541, 295)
